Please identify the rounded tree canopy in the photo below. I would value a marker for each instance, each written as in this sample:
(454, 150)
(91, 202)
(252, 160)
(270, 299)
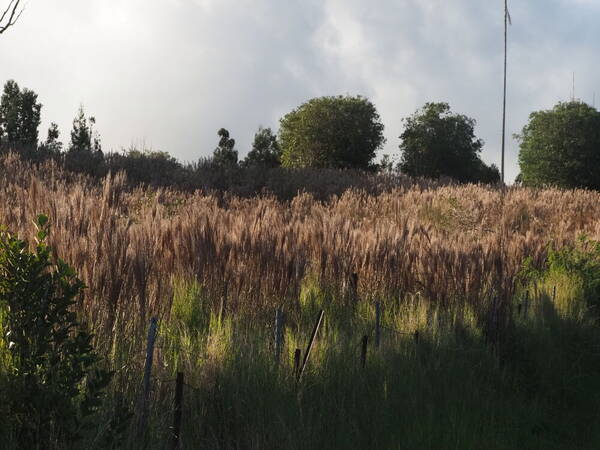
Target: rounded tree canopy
(331, 132)
(437, 142)
(561, 147)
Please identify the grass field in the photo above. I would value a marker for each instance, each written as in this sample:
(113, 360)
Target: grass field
(489, 333)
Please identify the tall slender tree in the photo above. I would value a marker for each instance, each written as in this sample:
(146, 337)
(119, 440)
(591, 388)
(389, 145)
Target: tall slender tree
(225, 155)
(84, 139)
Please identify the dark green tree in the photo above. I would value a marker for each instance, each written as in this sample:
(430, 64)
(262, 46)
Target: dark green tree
(437, 142)
(225, 155)
(19, 117)
(9, 113)
(84, 139)
(29, 115)
(84, 153)
(386, 165)
(52, 145)
(561, 147)
(331, 132)
(265, 150)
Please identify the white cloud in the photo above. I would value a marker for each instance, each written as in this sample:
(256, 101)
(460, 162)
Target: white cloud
(172, 72)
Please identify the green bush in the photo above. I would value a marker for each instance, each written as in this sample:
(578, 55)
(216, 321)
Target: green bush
(559, 147)
(51, 376)
(583, 261)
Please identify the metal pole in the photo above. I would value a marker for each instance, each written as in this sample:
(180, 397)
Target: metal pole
(278, 334)
(504, 96)
(147, 374)
(377, 323)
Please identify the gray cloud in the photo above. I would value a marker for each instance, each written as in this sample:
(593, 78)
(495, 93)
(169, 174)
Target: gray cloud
(170, 73)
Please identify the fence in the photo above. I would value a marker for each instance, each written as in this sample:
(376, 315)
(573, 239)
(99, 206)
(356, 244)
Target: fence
(301, 360)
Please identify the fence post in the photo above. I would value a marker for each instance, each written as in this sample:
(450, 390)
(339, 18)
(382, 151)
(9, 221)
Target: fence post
(222, 308)
(278, 334)
(177, 411)
(377, 324)
(554, 294)
(311, 343)
(363, 355)
(147, 374)
(526, 301)
(297, 356)
(354, 287)
(416, 336)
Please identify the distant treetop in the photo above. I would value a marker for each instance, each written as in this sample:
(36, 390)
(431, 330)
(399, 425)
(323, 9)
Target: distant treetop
(437, 142)
(561, 147)
(331, 132)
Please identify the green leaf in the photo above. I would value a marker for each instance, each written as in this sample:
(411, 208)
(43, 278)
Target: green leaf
(42, 220)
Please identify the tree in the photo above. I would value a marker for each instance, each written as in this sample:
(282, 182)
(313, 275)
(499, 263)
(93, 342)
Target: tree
(436, 142)
(85, 151)
(10, 15)
(333, 132)
(561, 147)
(83, 137)
(9, 113)
(29, 115)
(19, 117)
(225, 154)
(52, 145)
(386, 165)
(265, 150)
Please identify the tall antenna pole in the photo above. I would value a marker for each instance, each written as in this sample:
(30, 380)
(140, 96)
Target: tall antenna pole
(506, 21)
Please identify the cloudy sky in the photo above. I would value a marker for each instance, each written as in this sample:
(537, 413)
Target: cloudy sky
(167, 74)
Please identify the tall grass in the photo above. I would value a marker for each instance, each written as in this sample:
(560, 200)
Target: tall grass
(444, 261)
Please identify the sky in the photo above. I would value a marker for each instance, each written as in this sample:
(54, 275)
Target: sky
(168, 74)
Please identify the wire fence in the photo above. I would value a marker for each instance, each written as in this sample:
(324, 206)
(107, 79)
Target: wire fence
(372, 329)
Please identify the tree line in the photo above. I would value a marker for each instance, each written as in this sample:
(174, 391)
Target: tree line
(559, 147)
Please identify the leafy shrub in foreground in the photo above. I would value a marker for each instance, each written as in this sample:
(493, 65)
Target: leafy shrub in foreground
(50, 373)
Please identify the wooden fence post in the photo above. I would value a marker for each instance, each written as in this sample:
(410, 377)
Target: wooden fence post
(177, 412)
(297, 356)
(363, 355)
(354, 287)
(554, 294)
(278, 334)
(222, 309)
(147, 374)
(377, 324)
(311, 343)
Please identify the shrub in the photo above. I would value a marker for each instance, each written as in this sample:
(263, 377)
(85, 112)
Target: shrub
(54, 383)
